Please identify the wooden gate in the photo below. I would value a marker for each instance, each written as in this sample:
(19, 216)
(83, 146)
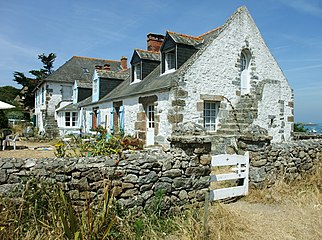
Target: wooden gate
(239, 171)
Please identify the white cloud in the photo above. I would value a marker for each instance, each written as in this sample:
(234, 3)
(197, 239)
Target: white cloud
(303, 68)
(311, 7)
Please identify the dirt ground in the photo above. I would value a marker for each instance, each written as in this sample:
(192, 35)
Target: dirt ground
(279, 221)
(28, 149)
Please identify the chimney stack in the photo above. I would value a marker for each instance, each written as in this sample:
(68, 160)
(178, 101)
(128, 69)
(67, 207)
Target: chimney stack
(107, 67)
(154, 42)
(124, 62)
(98, 67)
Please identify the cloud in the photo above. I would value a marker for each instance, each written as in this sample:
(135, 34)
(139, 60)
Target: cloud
(303, 68)
(314, 89)
(313, 7)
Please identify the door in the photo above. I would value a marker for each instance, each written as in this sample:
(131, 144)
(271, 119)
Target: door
(150, 125)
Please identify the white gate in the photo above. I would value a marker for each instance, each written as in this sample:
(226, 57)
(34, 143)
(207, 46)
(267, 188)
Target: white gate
(239, 170)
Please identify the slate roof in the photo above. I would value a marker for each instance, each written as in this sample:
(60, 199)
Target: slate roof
(84, 84)
(113, 74)
(80, 68)
(153, 82)
(74, 107)
(149, 55)
(185, 39)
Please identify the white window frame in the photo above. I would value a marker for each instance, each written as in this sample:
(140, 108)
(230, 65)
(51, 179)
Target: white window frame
(210, 115)
(170, 61)
(137, 73)
(150, 116)
(71, 119)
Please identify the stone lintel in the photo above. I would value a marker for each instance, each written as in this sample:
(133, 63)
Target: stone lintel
(208, 97)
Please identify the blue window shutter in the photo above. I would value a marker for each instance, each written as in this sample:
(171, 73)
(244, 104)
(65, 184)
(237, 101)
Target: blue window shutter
(112, 121)
(122, 118)
(90, 120)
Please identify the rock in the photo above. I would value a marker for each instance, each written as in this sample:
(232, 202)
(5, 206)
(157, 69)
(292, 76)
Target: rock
(130, 178)
(150, 177)
(172, 173)
(163, 186)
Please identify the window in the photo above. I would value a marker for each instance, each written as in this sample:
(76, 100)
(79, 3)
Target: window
(71, 119)
(137, 72)
(210, 115)
(170, 61)
(245, 59)
(243, 62)
(150, 115)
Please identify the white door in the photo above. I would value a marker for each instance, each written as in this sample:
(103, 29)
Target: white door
(150, 125)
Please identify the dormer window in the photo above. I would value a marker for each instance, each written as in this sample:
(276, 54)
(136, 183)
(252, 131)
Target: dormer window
(137, 73)
(170, 61)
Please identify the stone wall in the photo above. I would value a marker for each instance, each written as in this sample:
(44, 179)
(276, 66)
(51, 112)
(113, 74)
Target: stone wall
(137, 176)
(289, 160)
(182, 172)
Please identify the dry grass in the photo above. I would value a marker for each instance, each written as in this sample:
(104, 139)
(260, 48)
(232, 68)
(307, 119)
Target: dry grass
(283, 211)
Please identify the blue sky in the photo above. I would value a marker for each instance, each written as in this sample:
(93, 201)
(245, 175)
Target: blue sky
(108, 29)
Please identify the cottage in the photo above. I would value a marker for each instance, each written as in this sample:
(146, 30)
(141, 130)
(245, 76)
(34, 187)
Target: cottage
(57, 90)
(225, 81)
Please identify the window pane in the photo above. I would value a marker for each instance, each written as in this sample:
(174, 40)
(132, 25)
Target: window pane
(137, 72)
(210, 115)
(67, 119)
(170, 60)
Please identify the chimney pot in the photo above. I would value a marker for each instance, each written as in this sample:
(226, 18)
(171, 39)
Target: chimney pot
(124, 62)
(107, 67)
(99, 67)
(154, 41)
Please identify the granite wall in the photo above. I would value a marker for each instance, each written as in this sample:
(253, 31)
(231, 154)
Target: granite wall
(181, 172)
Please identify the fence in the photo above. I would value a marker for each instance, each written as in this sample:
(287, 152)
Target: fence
(239, 171)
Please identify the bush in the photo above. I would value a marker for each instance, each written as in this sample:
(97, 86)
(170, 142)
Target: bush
(3, 120)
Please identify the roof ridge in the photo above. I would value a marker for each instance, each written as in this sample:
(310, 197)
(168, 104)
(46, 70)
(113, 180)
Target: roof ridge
(210, 31)
(142, 50)
(90, 58)
(186, 36)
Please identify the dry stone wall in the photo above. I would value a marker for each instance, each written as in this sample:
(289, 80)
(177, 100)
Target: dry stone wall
(181, 172)
(137, 177)
(289, 160)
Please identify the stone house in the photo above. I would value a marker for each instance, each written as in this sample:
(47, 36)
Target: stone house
(224, 82)
(56, 92)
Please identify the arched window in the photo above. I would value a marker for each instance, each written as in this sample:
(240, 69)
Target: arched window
(245, 59)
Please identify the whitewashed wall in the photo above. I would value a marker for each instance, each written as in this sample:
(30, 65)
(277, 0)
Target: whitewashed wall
(215, 72)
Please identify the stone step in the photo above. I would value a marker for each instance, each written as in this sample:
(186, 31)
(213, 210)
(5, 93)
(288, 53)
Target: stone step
(227, 131)
(234, 126)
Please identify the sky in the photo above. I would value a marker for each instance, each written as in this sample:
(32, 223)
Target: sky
(292, 30)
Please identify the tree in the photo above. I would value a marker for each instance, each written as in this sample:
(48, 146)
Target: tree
(8, 94)
(299, 127)
(29, 84)
(48, 62)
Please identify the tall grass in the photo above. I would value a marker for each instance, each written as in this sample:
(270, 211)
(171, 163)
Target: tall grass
(43, 212)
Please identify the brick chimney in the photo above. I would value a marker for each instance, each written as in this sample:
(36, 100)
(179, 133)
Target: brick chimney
(124, 62)
(107, 67)
(154, 41)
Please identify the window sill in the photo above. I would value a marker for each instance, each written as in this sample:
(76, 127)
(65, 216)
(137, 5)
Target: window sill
(135, 81)
(168, 71)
